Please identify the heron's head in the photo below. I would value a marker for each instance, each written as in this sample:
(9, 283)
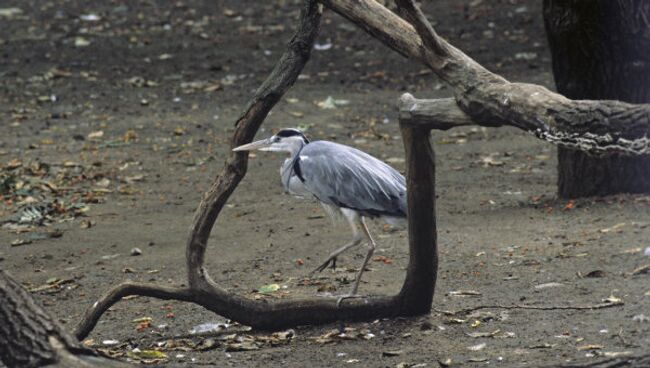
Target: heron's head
(286, 140)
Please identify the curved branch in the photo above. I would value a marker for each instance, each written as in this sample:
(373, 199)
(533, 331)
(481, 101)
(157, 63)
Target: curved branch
(201, 289)
(275, 314)
(120, 291)
(267, 95)
(414, 298)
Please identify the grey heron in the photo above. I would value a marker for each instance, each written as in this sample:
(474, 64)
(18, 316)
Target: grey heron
(344, 180)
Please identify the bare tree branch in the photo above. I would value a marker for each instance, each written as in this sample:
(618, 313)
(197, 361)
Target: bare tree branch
(440, 114)
(122, 290)
(459, 71)
(598, 127)
(443, 114)
(418, 20)
(532, 307)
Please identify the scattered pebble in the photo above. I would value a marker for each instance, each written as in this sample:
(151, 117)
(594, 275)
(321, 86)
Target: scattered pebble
(81, 42)
(208, 327)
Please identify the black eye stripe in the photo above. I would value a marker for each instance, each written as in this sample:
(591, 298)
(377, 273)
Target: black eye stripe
(285, 133)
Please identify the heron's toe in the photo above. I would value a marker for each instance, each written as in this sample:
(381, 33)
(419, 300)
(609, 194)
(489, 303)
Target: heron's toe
(322, 267)
(347, 296)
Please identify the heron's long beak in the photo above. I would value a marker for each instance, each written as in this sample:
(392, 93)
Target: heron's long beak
(261, 145)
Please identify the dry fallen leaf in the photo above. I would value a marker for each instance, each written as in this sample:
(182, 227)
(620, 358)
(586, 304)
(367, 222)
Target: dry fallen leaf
(146, 355)
(477, 347)
(590, 347)
(639, 270)
(548, 285)
(616, 354)
(482, 334)
(270, 288)
(95, 135)
(613, 299)
(383, 259)
(464, 293)
(616, 227)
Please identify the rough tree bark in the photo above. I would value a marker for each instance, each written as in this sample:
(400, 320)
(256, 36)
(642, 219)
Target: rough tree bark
(416, 295)
(29, 337)
(600, 51)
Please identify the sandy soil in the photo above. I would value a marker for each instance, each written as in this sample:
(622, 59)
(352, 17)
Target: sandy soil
(113, 127)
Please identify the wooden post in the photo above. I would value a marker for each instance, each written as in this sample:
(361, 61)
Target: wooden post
(418, 289)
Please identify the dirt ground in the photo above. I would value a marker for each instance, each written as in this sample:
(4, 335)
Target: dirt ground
(115, 116)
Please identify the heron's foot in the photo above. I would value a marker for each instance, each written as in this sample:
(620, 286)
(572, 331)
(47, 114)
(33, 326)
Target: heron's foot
(330, 262)
(347, 296)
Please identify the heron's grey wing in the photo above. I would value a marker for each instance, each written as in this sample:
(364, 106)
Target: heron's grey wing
(347, 177)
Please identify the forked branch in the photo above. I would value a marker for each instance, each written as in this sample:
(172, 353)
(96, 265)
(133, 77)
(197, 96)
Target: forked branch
(597, 127)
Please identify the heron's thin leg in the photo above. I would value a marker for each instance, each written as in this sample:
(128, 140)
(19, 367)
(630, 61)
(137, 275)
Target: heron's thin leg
(371, 250)
(353, 220)
(332, 257)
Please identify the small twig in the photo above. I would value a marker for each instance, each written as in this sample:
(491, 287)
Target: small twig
(535, 307)
(625, 343)
(639, 270)
(53, 285)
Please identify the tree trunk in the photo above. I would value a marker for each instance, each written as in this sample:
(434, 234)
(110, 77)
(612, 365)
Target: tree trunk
(416, 295)
(600, 50)
(29, 337)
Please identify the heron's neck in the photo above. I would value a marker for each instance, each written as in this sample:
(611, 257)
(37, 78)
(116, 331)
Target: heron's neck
(295, 147)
